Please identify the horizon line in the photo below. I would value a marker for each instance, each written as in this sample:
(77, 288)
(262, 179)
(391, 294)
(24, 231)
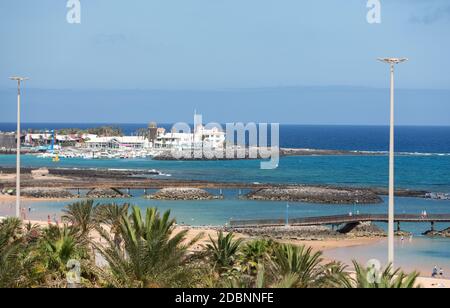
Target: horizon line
(284, 124)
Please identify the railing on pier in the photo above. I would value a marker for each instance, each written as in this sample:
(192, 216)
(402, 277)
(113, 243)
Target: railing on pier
(338, 220)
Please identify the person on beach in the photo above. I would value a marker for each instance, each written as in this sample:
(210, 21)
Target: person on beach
(435, 272)
(441, 273)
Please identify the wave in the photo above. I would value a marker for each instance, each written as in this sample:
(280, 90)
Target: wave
(152, 171)
(401, 153)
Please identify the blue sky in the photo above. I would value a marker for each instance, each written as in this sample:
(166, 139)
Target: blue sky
(198, 53)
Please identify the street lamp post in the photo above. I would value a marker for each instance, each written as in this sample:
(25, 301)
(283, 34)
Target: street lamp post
(19, 81)
(391, 237)
(287, 214)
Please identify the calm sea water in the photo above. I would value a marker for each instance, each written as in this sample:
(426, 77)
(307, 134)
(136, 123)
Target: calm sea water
(420, 254)
(426, 166)
(220, 212)
(420, 172)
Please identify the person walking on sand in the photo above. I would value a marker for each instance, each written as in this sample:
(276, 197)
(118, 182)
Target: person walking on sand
(441, 273)
(435, 272)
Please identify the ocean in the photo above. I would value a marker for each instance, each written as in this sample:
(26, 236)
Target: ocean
(409, 139)
(424, 164)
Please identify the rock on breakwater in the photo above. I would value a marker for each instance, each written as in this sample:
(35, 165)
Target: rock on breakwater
(43, 193)
(182, 193)
(289, 233)
(316, 194)
(444, 233)
(106, 193)
(309, 233)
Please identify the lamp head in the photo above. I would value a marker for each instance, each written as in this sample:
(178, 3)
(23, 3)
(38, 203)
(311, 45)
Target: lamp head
(17, 78)
(393, 60)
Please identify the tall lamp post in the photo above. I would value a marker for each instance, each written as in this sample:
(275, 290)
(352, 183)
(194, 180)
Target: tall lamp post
(19, 81)
(391, 257)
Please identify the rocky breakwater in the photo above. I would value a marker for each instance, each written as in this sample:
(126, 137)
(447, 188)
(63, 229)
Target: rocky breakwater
(250, 153)
(367, 229)
(315, 194)
(182, 193)
(41, 193)
(444, 233)
(310, 233)
(106, 193)
(437, 196)
(289, 233)
(215, 154)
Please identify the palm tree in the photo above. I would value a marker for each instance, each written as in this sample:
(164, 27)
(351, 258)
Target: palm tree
(253, 253)
(112, 215)
(297, 262)
(387, 279)
(223, 251)
(151, 254)
(57, 247)
(82, 216)
(141, 132)
(10, 247)
(335, 275)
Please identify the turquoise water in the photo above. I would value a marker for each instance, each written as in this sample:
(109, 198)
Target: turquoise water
(422, 254)
(429, 172)
(219, 212)
(418, 254)
(418, 172)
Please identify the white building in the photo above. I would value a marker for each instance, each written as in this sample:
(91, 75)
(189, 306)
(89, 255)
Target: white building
(42, 138)
(129, 142)
(207, 138)
(179, 141)
(212, 138)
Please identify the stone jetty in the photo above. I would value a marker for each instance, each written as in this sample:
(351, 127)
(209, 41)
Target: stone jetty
(182, 193)
(443, 233)
(316, 194)
(41, 193)
(309, 233)
(106, 193)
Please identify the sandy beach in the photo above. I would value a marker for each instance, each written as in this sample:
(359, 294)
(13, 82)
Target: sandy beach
(317, 245)
(7, 199)
(433, 283)
(323, 244)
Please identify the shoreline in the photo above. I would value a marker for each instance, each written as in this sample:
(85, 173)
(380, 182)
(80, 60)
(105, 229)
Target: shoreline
(323, 245)
(9, 198)
(78, 178)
